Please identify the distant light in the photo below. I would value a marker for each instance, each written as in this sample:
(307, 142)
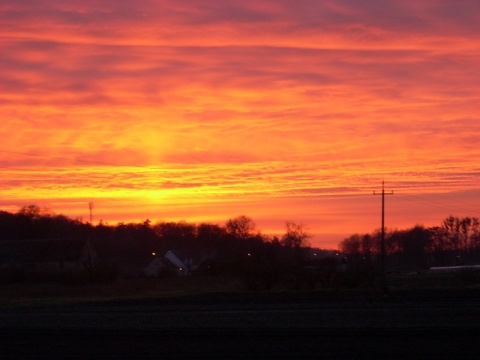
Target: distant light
(315, 254)
(181, 269)
(153, 253)
(249, 254)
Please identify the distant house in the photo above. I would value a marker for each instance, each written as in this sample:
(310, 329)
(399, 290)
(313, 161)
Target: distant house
(155, 267)
(168, 263)
(48, 254)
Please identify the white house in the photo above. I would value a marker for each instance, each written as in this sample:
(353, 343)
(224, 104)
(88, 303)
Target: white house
(169, 261)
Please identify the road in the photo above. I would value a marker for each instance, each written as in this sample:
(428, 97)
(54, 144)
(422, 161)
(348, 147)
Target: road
(226, 326)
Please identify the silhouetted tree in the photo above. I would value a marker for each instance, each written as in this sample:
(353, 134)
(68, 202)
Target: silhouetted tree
(452, 226)
(351, 246)
(460, 238)
(8, 226)
(411, 247)
(358, 246)
(241, 227)
(296, 235)
(175, 235)
(209, 240)
(34, 211)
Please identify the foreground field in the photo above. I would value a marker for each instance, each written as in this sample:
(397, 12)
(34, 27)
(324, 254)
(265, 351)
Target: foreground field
(227, 323)
(32, 294)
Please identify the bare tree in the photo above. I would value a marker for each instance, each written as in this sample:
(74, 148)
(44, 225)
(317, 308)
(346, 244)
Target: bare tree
(452, 226)
(475, 238)
(241, 227)
(352, 245)
(35, 212)
(296, 236)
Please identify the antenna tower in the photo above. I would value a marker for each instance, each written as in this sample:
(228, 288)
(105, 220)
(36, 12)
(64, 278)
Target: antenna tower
(90, 207)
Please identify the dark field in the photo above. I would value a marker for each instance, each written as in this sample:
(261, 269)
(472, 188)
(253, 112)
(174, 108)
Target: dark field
(346, 324)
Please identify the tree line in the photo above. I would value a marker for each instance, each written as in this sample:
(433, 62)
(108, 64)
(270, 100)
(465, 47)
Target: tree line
(456, 241)
(237, 248)
(33, 222)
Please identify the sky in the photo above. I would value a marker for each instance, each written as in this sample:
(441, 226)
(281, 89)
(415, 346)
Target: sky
(279, 110)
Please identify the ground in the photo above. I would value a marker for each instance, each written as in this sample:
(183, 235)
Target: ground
(341, 324)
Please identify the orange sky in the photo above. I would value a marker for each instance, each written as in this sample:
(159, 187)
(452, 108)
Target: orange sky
(279, 110)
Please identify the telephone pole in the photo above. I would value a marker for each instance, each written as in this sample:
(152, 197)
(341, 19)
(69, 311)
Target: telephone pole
(382, 261)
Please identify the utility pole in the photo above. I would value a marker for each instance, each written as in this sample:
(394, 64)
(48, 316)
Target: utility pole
(382, 263)
(88, 244)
